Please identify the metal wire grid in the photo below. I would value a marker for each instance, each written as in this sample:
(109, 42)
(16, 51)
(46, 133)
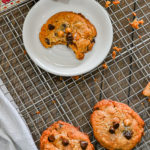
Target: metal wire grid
(72, 100)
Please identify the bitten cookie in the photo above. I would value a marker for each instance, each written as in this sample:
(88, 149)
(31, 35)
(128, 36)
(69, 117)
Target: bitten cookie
(71, 29)
(64, 136)
(116, 126)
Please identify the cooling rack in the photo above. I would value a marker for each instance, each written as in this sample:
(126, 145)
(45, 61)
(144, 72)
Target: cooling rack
(43, 98)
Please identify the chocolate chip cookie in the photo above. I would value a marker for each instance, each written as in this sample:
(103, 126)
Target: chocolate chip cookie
(64, 136)
(70, 29)
(116, 126)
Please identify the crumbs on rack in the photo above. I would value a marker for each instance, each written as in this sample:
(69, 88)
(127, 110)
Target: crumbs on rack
(76, 77)
(105, 66)
(38, 112)
(107, 4)
(116, 2)
(25, 52)
(133, 13)
(53, 101)
(135, 24)
(114, 54)
(60, 78)
(140, 36)
(117, 48)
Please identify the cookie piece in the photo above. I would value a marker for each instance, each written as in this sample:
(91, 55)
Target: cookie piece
(116, 126)
(146, 91)
(64, 136)
(71, 29)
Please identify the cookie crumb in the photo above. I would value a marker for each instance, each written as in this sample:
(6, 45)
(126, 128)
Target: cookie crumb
(116, 2)
(25, 52)
(82, 77)
(95, 80)
(117, 49)
(60, 78)
(140, 36)
(107, 4)
(133, 13)
(76, 77)
(38, 112)
(141, 22)
(53, 101)
(17, 1)
(105, 66)
(135, 24)
(114, 54)
(146, 91)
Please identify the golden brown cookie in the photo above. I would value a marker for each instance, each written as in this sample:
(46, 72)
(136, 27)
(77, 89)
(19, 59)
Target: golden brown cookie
(71, 29)
(64, 136)
(116, 126)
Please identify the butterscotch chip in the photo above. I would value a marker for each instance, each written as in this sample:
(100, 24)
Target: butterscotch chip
(70, 29)
(64, 136)
(116, 126)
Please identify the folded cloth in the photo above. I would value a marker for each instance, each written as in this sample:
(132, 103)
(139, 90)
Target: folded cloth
(14, 134)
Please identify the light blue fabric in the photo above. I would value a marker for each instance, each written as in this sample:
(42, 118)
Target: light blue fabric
(14, 134)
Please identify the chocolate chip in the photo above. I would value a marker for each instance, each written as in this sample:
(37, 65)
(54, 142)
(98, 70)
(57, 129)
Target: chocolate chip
(93, 41)
(56, 34)
(64, 25)
(65, 142)
(83, 144)
(51, 138)
(127, 134)
(60, 125)
(115, 125)
(51, 27)
(69, 39)
(47, 41)
(111, 130)
(97, 108)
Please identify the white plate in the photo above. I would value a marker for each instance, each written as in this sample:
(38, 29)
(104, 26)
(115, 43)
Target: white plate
(61, 60)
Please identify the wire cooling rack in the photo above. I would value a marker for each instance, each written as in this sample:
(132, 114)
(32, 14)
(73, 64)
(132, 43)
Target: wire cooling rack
(35, 90)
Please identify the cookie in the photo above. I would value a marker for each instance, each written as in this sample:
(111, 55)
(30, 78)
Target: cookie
(70, 29)
(64, 136)
(116, 126)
